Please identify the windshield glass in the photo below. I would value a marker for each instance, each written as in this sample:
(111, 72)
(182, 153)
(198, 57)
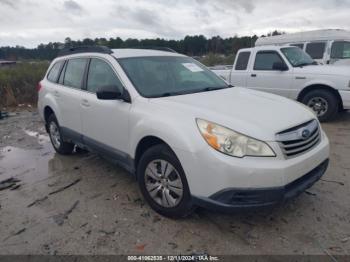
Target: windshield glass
(158, 76)
(340, 50)
(297, 57)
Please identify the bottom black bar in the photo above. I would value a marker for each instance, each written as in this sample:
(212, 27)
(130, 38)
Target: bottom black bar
(203, 257)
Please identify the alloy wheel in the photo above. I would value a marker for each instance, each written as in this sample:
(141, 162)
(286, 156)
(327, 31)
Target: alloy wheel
(55, 134)
(163, 183)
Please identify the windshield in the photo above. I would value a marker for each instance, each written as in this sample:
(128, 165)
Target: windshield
(159, 76)
(297, 57)
(340, 50)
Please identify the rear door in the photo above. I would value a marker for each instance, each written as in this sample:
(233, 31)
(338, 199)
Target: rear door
(69, 95)
(239, 71)
(105, 122)
(263, 77)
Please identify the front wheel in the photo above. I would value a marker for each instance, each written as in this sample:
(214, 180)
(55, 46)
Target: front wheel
(323, 102)
(163, 182)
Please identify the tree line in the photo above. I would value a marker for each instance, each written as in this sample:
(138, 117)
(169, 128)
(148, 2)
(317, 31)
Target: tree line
(197, 45)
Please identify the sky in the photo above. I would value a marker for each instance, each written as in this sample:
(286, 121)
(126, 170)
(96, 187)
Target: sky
(31, 22)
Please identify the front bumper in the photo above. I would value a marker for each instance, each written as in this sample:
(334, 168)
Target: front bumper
(231, 199)
(209, 171)
(345, 96)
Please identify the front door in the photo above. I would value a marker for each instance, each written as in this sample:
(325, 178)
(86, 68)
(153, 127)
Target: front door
(264, 77)
(104, 122)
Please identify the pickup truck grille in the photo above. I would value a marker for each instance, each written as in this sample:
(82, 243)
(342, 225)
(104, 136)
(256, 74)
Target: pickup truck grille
(300, 139)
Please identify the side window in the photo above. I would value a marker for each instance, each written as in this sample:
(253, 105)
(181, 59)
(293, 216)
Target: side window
(74, 72)
(264, 60)
(301, 46)
(316, 50)
(61, 79)
(101, 74)
(340, 50)
(54, 72)
(242, 61)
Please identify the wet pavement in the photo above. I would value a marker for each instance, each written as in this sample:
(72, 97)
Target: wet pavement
(82, 204)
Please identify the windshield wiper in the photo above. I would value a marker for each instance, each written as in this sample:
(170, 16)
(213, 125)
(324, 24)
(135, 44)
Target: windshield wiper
(209, 88)
(167, 94)
(305, 64)
(176, 93)
(213, 88)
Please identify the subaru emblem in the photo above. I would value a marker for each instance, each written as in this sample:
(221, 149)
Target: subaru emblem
(305, 134)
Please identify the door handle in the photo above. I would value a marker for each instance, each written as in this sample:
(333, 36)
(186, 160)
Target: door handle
(56, 94)
(85, 103)
(253, 75)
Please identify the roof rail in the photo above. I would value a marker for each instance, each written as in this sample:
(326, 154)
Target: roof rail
(159, 48)
(84, 49)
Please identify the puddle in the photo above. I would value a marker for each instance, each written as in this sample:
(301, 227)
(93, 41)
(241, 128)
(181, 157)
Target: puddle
(28, 165)
(16, 159)
(35, 165)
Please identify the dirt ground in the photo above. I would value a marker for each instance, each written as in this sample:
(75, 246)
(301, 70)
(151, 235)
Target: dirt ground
(82, 204)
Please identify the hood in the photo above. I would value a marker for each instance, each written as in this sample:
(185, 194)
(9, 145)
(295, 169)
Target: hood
(253, 113)
(340, 70)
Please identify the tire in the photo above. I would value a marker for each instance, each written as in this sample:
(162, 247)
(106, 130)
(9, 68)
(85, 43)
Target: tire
(323, 102)
(55, 134)
(151, 164)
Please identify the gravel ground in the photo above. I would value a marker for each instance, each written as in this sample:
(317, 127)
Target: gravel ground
(82, 204)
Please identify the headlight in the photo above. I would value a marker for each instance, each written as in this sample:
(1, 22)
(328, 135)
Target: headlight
(230, 142)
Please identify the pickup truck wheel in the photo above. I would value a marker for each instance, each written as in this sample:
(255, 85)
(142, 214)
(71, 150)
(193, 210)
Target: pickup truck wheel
(57, 141)
(163, 182)
(323, 102)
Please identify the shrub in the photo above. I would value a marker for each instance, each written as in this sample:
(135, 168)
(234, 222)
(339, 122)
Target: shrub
(18, 83)
(212, 59)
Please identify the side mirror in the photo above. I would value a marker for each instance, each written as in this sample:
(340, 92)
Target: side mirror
(109, 93)
(279, 66)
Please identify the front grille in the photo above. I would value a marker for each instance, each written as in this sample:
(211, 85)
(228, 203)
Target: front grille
(300, 139)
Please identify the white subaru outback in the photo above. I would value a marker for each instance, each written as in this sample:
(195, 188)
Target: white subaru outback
(188, 137)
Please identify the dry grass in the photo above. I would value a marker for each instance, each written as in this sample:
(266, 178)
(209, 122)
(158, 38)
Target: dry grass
(18, 83)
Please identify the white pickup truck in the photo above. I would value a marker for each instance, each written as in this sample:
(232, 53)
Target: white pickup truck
(290, 72)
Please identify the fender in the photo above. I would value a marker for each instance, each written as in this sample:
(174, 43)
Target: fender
(175, 136)
(51, 102)
(314, 82)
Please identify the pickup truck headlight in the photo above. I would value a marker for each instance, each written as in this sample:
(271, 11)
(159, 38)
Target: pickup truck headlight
(232, 143)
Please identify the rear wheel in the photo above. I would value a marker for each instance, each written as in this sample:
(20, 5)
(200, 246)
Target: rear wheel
(323, 102)
(57, 141)
(163, 182)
